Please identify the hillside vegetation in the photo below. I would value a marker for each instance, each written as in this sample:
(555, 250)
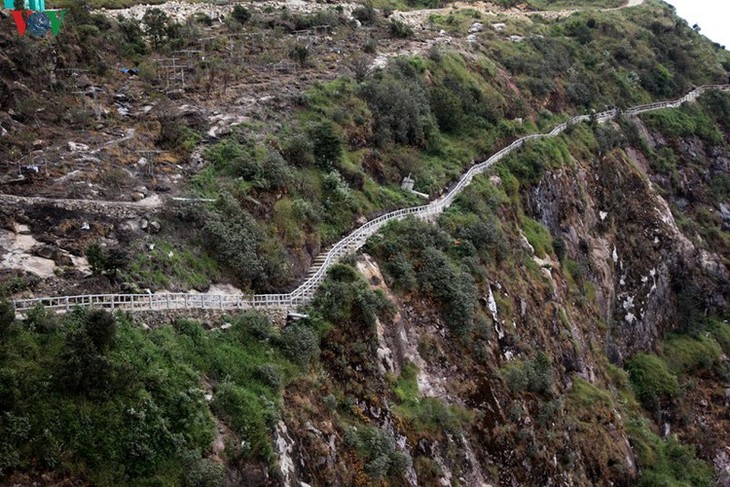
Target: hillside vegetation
(563, 322)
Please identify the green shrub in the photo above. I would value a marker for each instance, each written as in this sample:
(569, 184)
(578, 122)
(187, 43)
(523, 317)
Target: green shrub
(41, 319)
(82, 370)
(298, 150)
(346, 299)
(399, 29)
(238, 242)
(400, 106)
(241, 14)
(300, 344)
(446, 106)
(248, 415)
(326, 144)
(101, 327)
(201, 472)
(377, 448)
(7, 316)
(653, 382)
(666, 462)
(455, 290)
(532, 375)
(270, 375)
(686, 121)
(300, 54)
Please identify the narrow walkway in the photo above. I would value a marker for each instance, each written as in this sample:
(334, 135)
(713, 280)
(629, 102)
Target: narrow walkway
(349, 244)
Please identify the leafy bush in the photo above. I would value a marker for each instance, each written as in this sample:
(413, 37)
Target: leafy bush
(653, 382)
(666, 462)
(446, 105)
(241, 14)
(247, 413)
(40, 319)
(346, 299)
(532, 375)
(106, 261)
(300, 344)
(411, 252)
(400, 107)
(721, 332)
(7, 316)
(82, 370)
(237, 241)
(201, 472)
(455, 290)
(300, 54)
(298, 150)
(101, 328)
(399, 29)
(378, 450)
(326, 144)
(261, 165)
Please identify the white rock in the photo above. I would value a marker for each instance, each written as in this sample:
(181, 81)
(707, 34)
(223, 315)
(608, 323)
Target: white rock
(76, 147)
(476, 27)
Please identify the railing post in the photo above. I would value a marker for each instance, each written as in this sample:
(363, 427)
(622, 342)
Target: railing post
(67, 306)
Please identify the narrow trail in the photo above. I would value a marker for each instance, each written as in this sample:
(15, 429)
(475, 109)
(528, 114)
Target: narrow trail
(152, 202)
(349, 244)
(414, 17)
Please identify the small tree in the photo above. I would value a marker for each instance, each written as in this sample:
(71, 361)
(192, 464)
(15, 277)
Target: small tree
(326, 144)
(96, 256)
(241, 14)
(101, 328)
(7, 316)
(156, 22)
(300, 54)
(116, 261)
(400, 30)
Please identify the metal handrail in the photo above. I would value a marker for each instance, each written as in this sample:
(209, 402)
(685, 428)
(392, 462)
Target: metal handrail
(348, 244)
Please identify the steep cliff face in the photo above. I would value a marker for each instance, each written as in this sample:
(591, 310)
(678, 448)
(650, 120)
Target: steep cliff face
(636, 255)
(533, 393)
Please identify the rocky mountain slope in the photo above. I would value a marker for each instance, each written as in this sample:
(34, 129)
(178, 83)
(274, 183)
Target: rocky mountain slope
(563, 323)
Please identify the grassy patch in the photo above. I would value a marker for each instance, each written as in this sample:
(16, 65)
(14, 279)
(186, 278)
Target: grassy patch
(686, 354)
(538, 236)
(652, 379)
(427, 415)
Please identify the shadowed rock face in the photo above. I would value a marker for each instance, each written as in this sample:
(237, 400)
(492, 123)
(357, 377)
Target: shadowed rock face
(611, 216)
